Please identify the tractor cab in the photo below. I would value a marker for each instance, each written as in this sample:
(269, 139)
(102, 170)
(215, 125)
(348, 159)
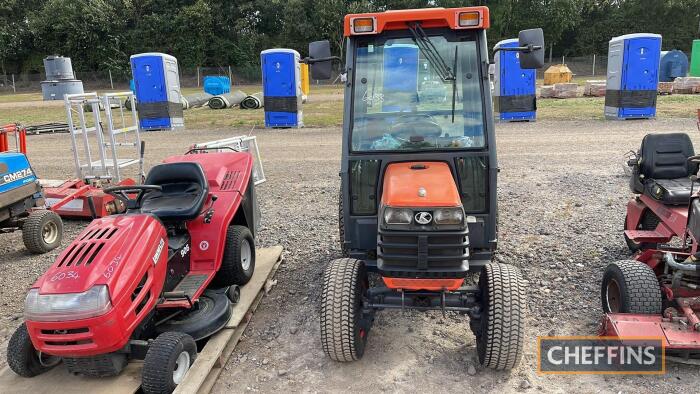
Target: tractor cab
(418, 200)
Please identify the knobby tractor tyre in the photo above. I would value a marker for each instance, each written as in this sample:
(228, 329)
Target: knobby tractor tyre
(238, 264)
(23, 359)
(343, 335)
(168, 359)
(500, 332)
(630, 286)
(42, 231)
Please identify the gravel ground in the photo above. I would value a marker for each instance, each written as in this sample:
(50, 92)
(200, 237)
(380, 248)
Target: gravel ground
(562, 195)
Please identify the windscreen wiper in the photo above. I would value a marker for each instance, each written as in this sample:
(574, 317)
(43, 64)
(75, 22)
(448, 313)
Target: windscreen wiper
(431, 53)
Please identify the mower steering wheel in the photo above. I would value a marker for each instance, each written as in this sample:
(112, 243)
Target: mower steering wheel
(407, 126)
(121, 193)
(694, 159)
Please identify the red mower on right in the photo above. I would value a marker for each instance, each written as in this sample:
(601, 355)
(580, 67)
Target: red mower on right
(657, 293)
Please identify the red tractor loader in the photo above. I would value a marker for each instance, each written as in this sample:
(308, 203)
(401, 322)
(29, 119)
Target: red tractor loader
(149, 283)
(657, 293)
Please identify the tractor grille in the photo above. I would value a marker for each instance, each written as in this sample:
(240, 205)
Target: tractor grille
(230, 179)
(423, 254)
(69, 337)
(81, 253)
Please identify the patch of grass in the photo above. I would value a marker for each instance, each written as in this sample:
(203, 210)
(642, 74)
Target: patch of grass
(591, 108)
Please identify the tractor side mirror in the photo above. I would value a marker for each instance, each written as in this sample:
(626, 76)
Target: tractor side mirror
(319, 60)
(533, 56)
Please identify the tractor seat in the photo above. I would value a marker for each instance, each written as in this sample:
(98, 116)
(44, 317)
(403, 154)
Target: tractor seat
(184, 191)
(665, 167)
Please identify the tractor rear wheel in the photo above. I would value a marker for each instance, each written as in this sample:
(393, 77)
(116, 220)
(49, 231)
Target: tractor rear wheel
(648, 223)
(500, 332)
(343, 329)
(167, 361)
(24, 359)
(630, 286)
(42, 231)
(238, 263)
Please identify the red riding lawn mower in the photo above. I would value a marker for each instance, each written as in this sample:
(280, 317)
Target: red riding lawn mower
(150, 283)
(658, 292)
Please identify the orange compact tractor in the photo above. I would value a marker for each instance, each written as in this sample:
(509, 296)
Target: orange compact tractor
(418, 179)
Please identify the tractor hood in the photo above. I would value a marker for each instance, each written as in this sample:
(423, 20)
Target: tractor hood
(111, 251)
(419, 184)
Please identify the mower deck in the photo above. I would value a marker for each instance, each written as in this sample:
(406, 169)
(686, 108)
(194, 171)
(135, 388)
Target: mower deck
(201, 376)
(675, 335)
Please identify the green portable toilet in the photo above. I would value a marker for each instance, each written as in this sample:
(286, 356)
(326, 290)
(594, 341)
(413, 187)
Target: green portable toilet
(695, 59)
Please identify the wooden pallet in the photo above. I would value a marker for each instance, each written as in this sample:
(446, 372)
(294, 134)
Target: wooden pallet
(205, 370)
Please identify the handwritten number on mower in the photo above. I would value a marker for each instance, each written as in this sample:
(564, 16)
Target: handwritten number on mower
(65, 275)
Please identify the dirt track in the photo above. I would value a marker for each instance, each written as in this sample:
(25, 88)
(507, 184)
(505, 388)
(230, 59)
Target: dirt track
(562, 194)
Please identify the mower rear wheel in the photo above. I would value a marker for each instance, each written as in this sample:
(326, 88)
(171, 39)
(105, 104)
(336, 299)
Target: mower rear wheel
(167, 361)
(343, 329)
(238, 263)
(42, 231)
(648, 223)
(500, 332)
(630, 286)
(24, 359)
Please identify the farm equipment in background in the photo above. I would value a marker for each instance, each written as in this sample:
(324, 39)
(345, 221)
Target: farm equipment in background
(418, 201)
(21, 199)
(98, 152)
(149, 283)
(657, 293)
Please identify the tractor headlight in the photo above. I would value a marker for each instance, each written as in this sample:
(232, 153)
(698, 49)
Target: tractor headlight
(452, 216)
(70, 306)
(398, 216)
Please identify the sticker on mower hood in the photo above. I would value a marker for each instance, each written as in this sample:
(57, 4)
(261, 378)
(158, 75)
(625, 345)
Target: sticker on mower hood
(15, 176)
(159, 249)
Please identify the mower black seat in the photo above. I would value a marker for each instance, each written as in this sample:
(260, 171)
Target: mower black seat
(664, 166)
(184, 191)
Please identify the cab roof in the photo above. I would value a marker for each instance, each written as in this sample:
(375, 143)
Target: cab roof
(429, 18)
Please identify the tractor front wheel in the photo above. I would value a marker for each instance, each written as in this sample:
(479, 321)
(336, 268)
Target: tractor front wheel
(24, 359)
(42, 231)
(500, 331)
(343, 328)
(167, 361)
(630, 286)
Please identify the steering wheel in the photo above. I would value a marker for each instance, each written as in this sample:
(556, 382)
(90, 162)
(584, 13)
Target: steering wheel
(694, 159)
(121, 193)
(416, 125)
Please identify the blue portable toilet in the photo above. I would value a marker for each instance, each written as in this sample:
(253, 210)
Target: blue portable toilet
(633, 76)
(400, 84)
(674, 64)
(514, 93)
(281, 74)
(217, 84)
(157, 87)
(132, 86)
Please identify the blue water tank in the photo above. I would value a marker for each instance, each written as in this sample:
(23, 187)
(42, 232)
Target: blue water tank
(400, 85)
(157, 88)
(633, 76)
(514, 88)
(674, 64)
(217, 84)
(281, 75)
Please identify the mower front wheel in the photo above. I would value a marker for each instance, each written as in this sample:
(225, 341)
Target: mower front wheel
(500, 331)
(24, 359)
(343, 328)
(630, 286)
(42, 231)
(238, 263)
(167, 361)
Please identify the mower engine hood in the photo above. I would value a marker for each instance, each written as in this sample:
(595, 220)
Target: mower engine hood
(419, 184)
(115, 251)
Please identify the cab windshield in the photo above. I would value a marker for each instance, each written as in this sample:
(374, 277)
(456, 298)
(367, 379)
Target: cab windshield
(405, 99)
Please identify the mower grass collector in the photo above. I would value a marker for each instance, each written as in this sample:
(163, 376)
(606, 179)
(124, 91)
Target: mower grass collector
(657, 293)
(150, 283)
(418, 181)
